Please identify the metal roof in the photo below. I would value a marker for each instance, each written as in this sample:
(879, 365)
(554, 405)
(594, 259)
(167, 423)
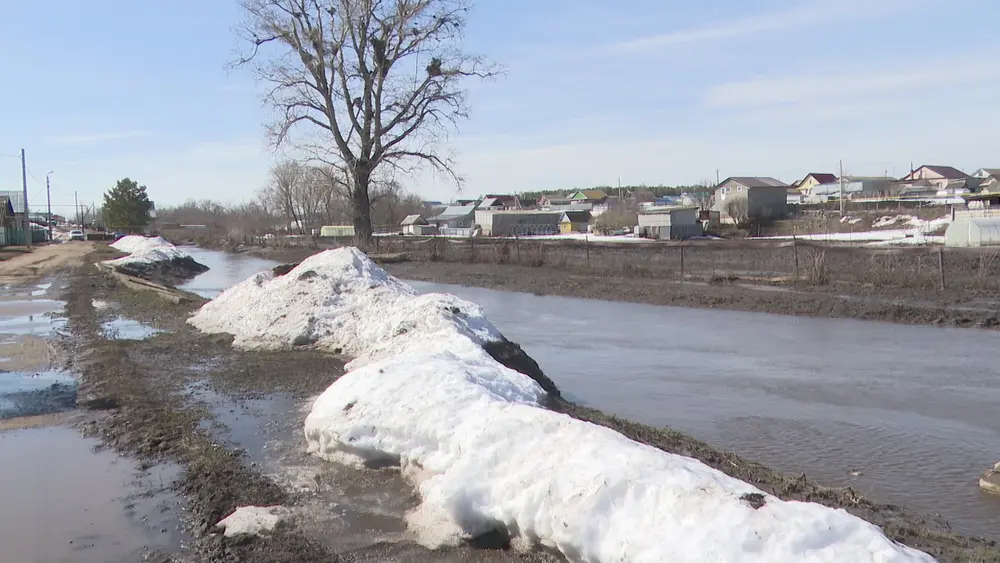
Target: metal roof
(757, 181)
(414, 219)
(455, 212)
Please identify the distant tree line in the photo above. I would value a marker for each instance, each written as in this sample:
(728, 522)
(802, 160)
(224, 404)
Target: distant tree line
(298, 199)
(640, 193)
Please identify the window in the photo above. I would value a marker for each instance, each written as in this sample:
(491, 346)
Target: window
(739, 188)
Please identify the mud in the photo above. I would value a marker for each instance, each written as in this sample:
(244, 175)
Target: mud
(719, 295)
(169, 272)
(165, 396)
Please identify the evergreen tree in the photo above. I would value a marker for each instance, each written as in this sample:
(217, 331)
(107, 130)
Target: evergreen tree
(126, 206)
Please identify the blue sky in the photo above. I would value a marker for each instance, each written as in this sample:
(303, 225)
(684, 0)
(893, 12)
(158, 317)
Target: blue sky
(649, 91)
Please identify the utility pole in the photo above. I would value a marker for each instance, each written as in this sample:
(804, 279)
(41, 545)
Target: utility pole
(48, 197)
(619, 188)
(717, 177)
(24, 184)
(841, 188)
(76, 205)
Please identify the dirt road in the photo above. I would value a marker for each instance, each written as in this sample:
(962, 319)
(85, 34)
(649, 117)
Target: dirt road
(22, 266)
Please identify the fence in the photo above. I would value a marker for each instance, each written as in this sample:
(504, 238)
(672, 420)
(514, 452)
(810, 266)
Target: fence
(768, 262)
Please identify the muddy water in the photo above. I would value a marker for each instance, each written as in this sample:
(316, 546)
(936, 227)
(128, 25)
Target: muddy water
(62, 501)
(904, 414)
(225, 270)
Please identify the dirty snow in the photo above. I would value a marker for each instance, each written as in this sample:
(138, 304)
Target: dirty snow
(850, 220)
(471, 435)
(144, 250)
(912, 222)
(253, 520)
(915, 234)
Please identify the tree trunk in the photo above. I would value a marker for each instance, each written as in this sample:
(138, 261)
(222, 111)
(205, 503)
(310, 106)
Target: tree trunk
(362, 207)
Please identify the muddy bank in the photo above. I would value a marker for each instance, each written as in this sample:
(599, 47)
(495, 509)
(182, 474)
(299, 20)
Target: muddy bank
(169, 272)
(164, 399)
(720, 295)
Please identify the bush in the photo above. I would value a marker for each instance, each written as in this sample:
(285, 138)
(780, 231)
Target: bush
(614, 220)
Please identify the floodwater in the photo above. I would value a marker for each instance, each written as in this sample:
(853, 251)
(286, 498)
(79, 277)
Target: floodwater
(225, 270)
(904, 414)
(63, 501)
(121, 328)
(912, 409)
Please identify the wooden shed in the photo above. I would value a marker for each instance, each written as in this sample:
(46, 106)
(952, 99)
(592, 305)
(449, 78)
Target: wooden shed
(574, 221)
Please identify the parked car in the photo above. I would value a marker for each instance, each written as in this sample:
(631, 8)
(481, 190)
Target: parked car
(77, 235)
(117, 235)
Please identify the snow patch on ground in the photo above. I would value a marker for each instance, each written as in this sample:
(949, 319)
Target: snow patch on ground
(253, 520)
(483, 453)
(145, 250)
(916, 234)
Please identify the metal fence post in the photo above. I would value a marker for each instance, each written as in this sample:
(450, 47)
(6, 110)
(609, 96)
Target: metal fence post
(795, 251)
(941, 266)
(682, 261)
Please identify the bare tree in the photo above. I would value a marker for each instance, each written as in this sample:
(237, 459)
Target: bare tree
(738, 208)
(348, 71)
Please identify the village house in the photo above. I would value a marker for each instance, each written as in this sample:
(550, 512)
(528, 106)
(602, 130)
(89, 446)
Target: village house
(929, 180)
(669, 223)
(988, 179)
(751, 198)
(455, 220)
(574, 221)
(552, 200)
(813, 179)
(414, 225)
(589, 196)
(853, 188)
(517, 222)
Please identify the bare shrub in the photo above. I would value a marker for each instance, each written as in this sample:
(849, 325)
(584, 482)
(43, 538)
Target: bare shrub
(615, 219)
(818, 269)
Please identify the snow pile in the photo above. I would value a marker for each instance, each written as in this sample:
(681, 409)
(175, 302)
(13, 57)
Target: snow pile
(850, 220)
(145, 250)
(484, 455)
(253, 520)
(339, 300)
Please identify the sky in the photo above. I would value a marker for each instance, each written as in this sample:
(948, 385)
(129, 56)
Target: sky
(595, 92)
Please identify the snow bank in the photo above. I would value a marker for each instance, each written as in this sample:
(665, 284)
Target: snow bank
(253, 520)
(145, 250)
(341, 300)
(484, 455)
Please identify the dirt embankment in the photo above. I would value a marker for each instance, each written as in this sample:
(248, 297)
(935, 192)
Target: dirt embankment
(717, 295)
(146, 387)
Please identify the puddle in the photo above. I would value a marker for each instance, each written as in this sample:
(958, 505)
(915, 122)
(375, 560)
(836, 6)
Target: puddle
(127, 329)
(73, 503)
(347, 508)
(31, 316)
(29, 394)
(42, 289)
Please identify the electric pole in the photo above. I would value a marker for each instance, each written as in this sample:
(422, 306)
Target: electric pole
(26, 223)
(48, 198)
(76, 205)
(841, 188)
(717, 177)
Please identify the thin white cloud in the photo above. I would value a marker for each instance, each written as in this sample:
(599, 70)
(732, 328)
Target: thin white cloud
(806, 12)
(964, 72)
(95, 138)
